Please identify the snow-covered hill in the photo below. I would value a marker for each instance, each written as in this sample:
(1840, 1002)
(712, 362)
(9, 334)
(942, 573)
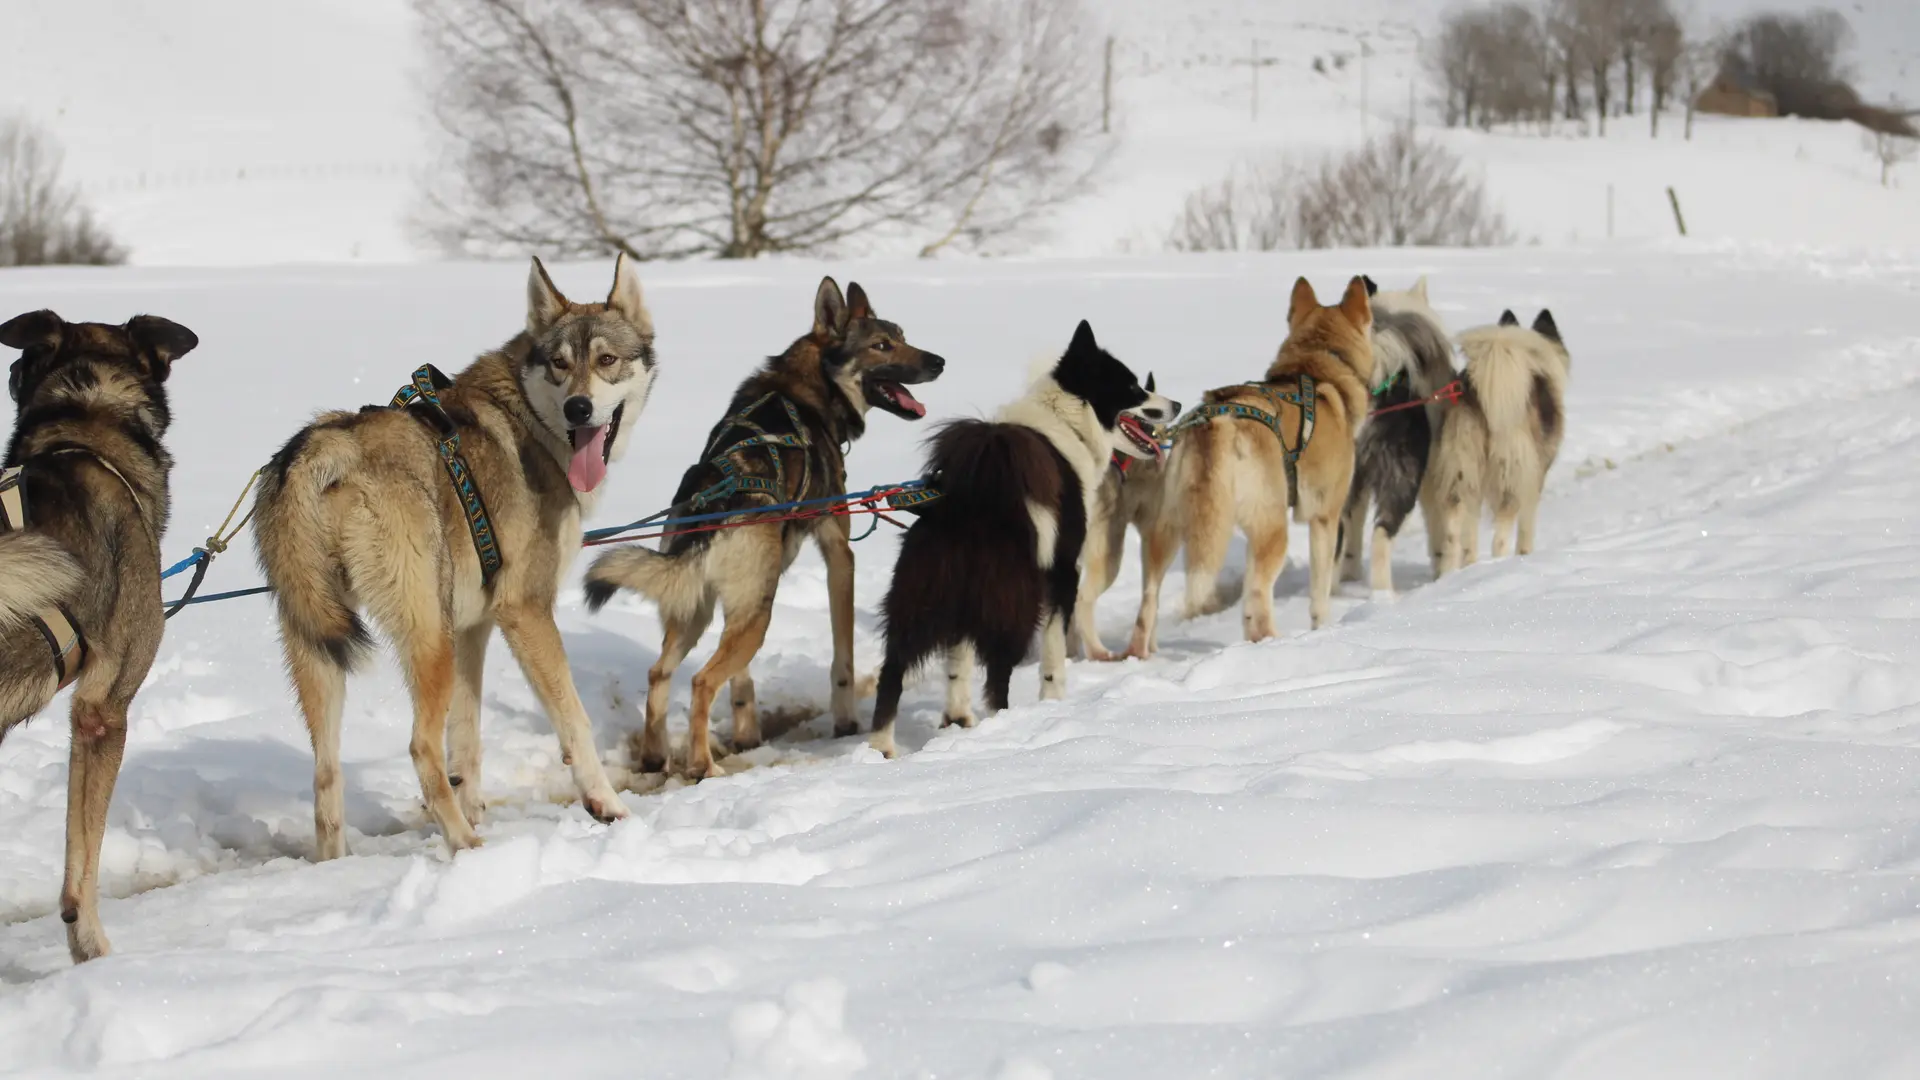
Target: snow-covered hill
(236, 132)
(1642, 804)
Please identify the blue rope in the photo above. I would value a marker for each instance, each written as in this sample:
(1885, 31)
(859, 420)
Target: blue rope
(660, 519)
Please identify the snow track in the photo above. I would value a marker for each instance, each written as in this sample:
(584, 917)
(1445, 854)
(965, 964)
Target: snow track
(1641, 804)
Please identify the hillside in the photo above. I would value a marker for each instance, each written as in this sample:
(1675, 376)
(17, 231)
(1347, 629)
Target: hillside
(233, 132)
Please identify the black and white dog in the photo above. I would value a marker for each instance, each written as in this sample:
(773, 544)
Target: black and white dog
(998, 553)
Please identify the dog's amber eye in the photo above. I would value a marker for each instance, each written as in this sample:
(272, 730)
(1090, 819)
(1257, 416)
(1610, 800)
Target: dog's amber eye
(608, 360)
(559, 363)
(883, 345)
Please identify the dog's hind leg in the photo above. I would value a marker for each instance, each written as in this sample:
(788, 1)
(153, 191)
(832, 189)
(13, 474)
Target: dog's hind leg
(1320, 568)
(1208, 534)
(535, 641)
(1266, 557)
(1506, 513)
(463, 719)
(1529, 510)
(1396, 502)
(1053, 657)
(321, 686)
(428, 661)
(99, 740)
(681, 636)
(739, 641)
(959, 687)
(1159, 543)
(836, 548)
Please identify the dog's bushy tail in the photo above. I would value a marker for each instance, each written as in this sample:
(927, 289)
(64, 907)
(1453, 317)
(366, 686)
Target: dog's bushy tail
(676, 583)
(1501, 369)
(296, 539)
(983, 475)
(35, 574)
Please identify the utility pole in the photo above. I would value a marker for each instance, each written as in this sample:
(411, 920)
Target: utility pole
(1106, 91)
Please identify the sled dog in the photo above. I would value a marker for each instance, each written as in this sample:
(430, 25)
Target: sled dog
(362, 511)
(998, 554)
(1497, 444)
(83, 503)
(1413, 362)
(1249, 452)
(1132, 492)
(782, 440)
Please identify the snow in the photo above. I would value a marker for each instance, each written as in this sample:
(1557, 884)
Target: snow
(231, 132)
(1639, 804)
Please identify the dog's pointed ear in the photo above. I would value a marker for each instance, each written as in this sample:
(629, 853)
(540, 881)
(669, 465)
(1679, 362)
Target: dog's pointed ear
(625, 299)
(1083, 341)
(1544, 325)
(858, 307)
(1373, 288)
(829, 309)
(1303, 304)
(1355, 305)
(545, 304)
(161, 342)
(1150, 388)
(1420, 288)
(1507, 319)
(34, 328)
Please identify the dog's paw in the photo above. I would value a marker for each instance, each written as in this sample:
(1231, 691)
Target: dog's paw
(741, 746)
(882, 741)
(965, 720)
(1100, 654)
(605, 809)
(845, 729)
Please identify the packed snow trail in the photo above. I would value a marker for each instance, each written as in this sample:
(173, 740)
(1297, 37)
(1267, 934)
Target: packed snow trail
(1643, 803)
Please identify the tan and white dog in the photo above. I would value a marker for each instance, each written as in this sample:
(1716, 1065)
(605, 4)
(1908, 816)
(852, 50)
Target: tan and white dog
(1497, 444)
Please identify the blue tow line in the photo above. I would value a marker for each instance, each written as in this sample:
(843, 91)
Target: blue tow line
(595, 536)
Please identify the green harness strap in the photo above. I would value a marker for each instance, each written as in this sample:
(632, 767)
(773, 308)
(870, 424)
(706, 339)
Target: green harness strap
(731, 460)
(1304, 400)
(422, 398)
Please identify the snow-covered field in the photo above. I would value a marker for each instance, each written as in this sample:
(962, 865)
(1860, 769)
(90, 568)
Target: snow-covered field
(235, 132)
(1643, 804)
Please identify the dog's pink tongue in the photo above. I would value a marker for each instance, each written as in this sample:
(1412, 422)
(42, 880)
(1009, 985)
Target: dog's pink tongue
(589, 465)
(906, 400)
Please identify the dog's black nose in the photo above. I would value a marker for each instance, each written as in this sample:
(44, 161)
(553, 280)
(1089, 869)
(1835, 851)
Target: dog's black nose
(579, 409)
(933, 364)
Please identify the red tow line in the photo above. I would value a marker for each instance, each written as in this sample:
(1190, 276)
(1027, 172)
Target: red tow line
(1449, 393)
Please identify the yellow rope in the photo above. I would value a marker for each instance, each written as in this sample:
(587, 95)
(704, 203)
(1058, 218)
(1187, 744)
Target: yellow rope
(217, 543)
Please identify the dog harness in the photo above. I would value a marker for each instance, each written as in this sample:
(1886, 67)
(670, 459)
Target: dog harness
(421, 397)
(56, 624)
(732, 461)
(1303, 399)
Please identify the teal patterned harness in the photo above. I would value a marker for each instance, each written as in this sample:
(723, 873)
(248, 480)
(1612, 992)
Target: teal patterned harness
(731, 461)
(1303, 399)
(422, 398)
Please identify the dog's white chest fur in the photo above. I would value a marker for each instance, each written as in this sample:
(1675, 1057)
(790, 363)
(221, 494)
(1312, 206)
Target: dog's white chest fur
(1069, 424)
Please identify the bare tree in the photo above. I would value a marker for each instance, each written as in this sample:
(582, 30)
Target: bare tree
(1799, 59)
(1251, 209)
(667, 128)
(1566, 38)
(1397, 191)
(1666, 51)
(1699, 66)
(42, 219)
(1890, 150)
(1490, 65)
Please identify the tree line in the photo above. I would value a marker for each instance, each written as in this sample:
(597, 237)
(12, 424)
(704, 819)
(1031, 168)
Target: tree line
(1519, 62)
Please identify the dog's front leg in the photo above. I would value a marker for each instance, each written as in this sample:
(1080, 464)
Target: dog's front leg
(99, 740)
(463, 719)
(535, 641)
(837, 549)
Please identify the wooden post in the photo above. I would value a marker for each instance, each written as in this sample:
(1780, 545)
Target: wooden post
(1677, 218)
(1106, 91)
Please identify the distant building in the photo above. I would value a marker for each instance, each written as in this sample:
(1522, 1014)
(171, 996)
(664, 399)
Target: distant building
(1731, 96)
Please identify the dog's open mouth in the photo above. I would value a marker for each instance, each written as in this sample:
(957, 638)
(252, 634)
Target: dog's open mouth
(592, 448)
(1140, 435)
(895, 398)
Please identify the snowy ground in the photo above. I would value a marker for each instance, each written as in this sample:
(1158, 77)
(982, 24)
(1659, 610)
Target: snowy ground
(1639, 805)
